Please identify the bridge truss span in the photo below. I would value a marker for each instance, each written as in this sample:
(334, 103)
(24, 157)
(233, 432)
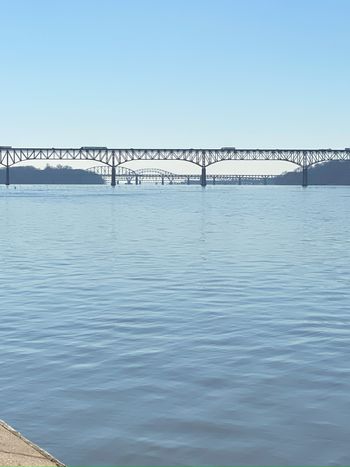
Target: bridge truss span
(124, 174)
(9, 156)
(12, 156)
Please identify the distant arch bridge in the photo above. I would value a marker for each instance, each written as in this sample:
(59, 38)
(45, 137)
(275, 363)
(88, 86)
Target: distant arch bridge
(203, 158)
(124, 174)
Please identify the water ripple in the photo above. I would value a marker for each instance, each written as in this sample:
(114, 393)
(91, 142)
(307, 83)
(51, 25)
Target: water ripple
(156, 326)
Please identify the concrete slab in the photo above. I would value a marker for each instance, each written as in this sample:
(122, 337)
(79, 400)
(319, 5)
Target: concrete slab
(16, 450)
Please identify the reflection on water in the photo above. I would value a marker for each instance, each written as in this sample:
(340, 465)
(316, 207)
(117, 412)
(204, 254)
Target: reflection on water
(175, 325)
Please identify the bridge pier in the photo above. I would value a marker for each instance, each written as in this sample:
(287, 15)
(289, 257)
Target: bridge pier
(7, 180)
(162, 179)
(136, 180)
(239, 181)
(113, 176)
(305, 176)
(214, 180)
(188, 180)
(204, 176)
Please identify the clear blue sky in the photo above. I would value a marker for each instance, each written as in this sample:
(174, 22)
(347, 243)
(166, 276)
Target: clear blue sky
(177, 73)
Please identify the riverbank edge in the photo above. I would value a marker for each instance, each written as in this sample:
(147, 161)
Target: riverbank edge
(41, 451)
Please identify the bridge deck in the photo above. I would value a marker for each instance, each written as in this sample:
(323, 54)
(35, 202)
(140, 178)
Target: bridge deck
(15, 450)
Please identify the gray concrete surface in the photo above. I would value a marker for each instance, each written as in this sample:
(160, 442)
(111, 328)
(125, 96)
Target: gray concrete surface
(15, 450)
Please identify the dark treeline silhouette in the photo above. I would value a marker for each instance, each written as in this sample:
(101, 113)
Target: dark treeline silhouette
(50, 175)
(327, 173)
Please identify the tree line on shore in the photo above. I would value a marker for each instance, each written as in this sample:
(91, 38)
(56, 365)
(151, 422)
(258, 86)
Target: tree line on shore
(326, 173)
(51, 175)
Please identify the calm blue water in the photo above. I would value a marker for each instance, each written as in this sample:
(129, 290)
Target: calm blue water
(177, 326)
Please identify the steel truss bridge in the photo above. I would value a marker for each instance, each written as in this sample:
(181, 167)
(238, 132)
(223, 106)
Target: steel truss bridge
(129, 176)
(203, 158)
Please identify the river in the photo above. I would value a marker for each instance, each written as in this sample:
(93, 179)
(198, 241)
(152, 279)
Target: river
(175, 325)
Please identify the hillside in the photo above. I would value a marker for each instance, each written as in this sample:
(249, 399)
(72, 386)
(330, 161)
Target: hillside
(327, 173)
(50, 175)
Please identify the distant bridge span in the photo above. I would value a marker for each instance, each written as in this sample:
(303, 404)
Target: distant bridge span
(163, 176)
(203, 158)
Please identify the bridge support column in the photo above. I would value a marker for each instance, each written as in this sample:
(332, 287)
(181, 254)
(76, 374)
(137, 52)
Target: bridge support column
(113, 170)
(162, 179)
(7, 180)
(305, 166)
(204, 176)
(305, 176)
(214, 180)
(188, 180)
(239, 181)
(113, 176)
(137, 180)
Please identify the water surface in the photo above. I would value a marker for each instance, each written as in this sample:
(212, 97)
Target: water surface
(177, 325)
